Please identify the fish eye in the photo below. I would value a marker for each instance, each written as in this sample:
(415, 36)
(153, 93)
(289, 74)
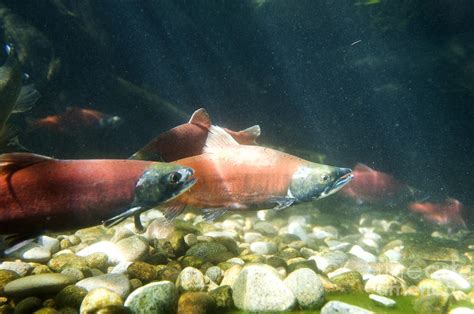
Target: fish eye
(174, 177)
(324, 178)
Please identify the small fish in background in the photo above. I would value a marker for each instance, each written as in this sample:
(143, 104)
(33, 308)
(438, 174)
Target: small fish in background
(39, 193)
(14, 98)
(236, 177)
(447, 213)
(75, 120)
(372, 186)
(188, 139)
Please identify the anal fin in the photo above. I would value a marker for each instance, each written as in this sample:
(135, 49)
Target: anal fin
(210, 214)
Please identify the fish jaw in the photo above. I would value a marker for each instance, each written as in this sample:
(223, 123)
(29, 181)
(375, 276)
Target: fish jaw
(162, 182)
(315, 181)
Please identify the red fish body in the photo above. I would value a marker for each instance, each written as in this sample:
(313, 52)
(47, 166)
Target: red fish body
(371, 186)
(188, 139)
(446, 213)
(241, 177)
(39, 193)
(75, 119)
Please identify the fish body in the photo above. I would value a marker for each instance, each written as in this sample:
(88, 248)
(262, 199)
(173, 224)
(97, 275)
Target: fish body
(188, 139)
(237, 177)
(38, 193)
(371, 186)
(447, 213)
(74, 120)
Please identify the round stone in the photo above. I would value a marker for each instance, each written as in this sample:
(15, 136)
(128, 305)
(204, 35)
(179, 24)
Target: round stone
(333, 307)
(306, 287)
(6, 276)
(71, 296)
(113, 282)
(60, 262)
(21, 268)
(190, 279)
(215, 274)
(451, 279)
(100, 298)
(155, 297)
(28, 305)
(259, 288)
(194, 302)
(210, 252)
(263, 248)
(384, 285)
(37, 285)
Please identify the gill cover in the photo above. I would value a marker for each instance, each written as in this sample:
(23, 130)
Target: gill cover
(315, 181)
(162, 182)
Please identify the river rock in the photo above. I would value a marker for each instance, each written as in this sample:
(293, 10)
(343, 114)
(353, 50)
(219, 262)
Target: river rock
(21, 268)
(143, 271)
(195, 303)
(222, 297)
(265, 228)
(37, 284)
(52, 244)
(6, 276)
(110, 249)
(259, 288)
(382, 300)
(263, 248)
(190, 279)
(214, 273)
(210, 252)
(134, 248)
(329, 261)
(101, 298)
(384, 285)
(231, 275)
(362, 254)
(114, 282)
(334, 307)
(451, 279)
(306, 287)
(69, 260)
(71, 296)
(36, 254)
(155, 297)
(28, 305)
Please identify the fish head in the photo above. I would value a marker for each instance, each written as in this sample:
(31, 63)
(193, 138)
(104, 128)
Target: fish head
(314, 181)
(162, 182)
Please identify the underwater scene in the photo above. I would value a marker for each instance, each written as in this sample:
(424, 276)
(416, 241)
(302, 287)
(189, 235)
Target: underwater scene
(221, 156)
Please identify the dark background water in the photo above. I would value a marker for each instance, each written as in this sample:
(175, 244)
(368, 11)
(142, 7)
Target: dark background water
(386, 83)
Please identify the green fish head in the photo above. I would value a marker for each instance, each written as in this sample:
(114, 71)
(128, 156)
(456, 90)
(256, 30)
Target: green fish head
(314, 181)
(162, 182)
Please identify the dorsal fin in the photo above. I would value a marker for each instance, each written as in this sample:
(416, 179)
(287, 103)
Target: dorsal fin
(253, 131)
(12, 162)
(201, 117)
(217, 138)
(362, 167)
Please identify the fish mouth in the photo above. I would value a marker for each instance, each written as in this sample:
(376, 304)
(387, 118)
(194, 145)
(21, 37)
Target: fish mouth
(345, 176)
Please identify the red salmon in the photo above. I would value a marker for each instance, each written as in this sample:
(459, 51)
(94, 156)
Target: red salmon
(447, 213)
(39, 193)
(231, 176)
(188, 139)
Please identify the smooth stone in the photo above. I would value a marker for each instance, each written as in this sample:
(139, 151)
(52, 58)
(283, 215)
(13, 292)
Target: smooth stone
(37, 284)
(73, 272)
(52, 244)
(263, 248)
(462, 310)
(100, 298)
(384, 285)
(215, 274)
(393, 255)
(338, 272)
(236, 260)
(451, 279)
(222, 297)
(250, 237)
(71, 296)
(334, 245)
(265, 228)
(134, 248)
(231, 275)
(306, 287)
(18, 267)
(97, 260)
(114, 282)
(190, 239)
(190, 279)
(143, 271)
(28, 305)
(334, 307)
(37, 254)
(7, 276)
(382, 300)
(121, 268)
(210, 252)
(62, 261)
(362, 254)
(194, 303)
(351, 282)
(430, 286)
(296, 228)
(259, 288)
(226, 233)
(435, 303)
(108, 248)
(155, 297)
(325, 232)
(329, 261)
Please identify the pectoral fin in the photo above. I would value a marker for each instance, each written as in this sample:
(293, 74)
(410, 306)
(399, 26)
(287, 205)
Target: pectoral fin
(27, 99)
(171, 212)
(282, 202)
(134, 211)
(15, 242)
